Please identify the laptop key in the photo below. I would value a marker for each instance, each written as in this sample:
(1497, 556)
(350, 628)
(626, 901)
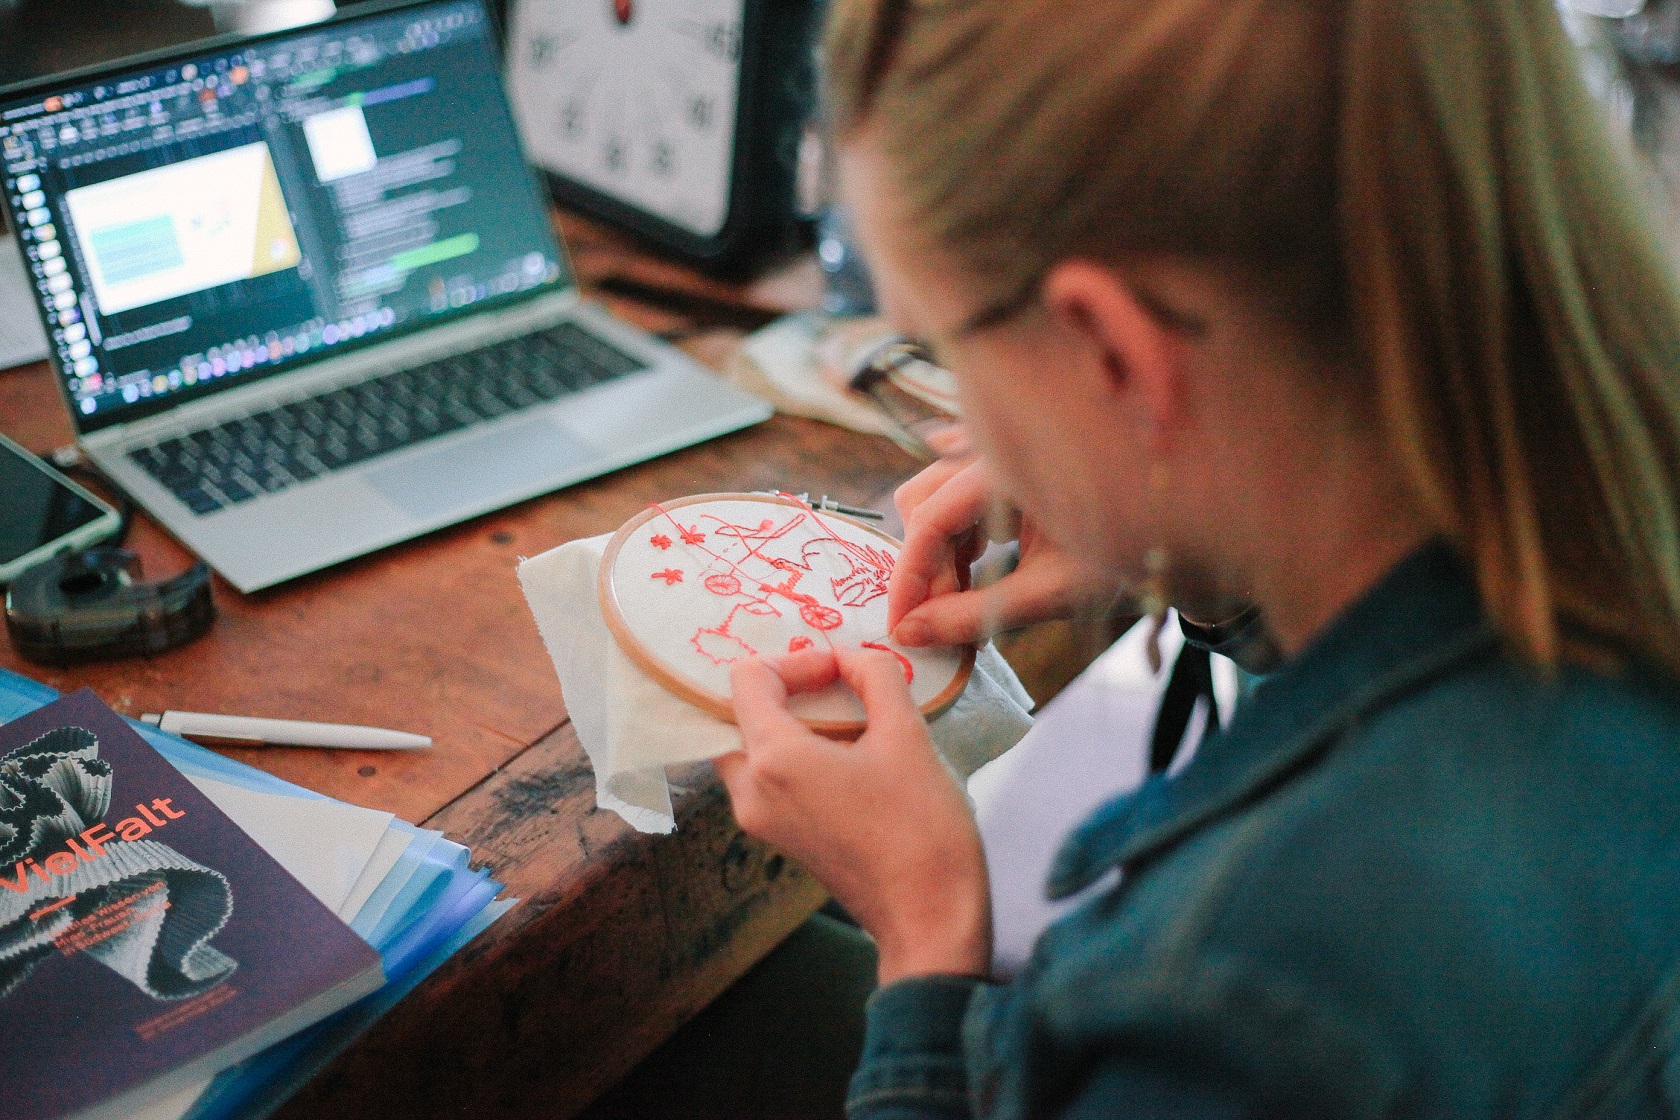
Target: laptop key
(147, 457)
(273, 480)
(199, 500)
(545, 387)
(300, 469)
(334, 453)
(487, 404)
(237, 491)
(519, 396)
(307, 466)
(176, 477)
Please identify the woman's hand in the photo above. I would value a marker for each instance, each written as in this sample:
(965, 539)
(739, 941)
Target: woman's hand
(930, 601)
(879, 821)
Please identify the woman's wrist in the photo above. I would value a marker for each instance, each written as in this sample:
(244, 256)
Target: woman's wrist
(956, 948)
(969, 966)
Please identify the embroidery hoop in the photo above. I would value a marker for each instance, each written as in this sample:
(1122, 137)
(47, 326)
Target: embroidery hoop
(682, 685)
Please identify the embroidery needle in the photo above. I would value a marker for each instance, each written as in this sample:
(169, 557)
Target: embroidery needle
(829, 505)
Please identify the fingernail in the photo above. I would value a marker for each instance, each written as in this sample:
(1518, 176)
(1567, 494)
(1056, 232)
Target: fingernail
(912, 632)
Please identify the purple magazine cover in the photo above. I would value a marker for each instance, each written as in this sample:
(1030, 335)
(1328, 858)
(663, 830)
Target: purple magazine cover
(143, 935)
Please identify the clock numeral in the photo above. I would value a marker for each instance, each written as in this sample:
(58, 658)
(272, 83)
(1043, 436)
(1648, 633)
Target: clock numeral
(664, 161)
(700, 112)
(616, 154)
(571, 120)
(722, 40)
(542, 51)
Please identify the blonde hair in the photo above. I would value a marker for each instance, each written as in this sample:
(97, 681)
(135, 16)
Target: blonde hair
(1426, 188)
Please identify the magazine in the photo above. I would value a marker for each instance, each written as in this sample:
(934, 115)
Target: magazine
(146, 942)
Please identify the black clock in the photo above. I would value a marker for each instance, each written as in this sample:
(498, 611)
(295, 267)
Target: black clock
(679, 120)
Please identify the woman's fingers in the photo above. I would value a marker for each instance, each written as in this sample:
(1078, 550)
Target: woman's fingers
(935, 529)
(878, 678)
(754, 774)
(968, 617)
(1034, 592)
(760, 688)
(960, 618)
(915, 490)
(807, 670)
(760, 699)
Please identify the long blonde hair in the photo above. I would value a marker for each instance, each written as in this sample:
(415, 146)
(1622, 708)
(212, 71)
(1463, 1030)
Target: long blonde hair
(1426, 188)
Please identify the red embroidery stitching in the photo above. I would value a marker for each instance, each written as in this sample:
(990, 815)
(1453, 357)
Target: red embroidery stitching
(820, 617)
(909, 669)
(868, 572)
(723, 583)
(719, 646)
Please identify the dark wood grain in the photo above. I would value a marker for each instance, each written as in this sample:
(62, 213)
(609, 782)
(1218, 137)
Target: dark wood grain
(622, 938)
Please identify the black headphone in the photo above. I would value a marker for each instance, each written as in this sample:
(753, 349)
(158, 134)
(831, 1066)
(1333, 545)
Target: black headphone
(86, 606)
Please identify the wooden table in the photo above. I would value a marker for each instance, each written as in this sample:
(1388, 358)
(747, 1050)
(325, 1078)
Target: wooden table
(620, 937)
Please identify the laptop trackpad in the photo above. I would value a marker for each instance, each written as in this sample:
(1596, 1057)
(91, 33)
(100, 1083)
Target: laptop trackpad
(475, 470)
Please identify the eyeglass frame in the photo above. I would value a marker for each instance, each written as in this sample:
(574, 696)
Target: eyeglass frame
(876, 372)
(996, 314)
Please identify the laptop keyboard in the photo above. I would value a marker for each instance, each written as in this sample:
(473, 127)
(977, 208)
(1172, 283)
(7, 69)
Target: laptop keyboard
(266, 452)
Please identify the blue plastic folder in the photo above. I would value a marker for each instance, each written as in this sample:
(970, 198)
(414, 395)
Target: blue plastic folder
(430, 904)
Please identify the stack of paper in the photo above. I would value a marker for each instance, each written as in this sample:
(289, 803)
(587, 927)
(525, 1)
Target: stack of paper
(408, 891)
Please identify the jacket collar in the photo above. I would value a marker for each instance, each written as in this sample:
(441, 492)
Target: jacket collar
(1420, 620)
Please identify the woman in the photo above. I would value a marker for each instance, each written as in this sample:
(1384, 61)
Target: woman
(1348, 308)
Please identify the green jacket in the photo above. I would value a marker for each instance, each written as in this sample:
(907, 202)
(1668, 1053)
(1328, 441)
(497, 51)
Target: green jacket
(1411, 878)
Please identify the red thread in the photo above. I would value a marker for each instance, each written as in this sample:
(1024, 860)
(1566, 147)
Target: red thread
(719, 646)
(671, 576)
(909, 669)
(868, 571)
(821, 617)
(723, 583)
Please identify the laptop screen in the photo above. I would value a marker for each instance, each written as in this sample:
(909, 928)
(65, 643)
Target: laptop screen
(220, 216)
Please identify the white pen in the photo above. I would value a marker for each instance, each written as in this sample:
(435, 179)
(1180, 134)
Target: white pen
(286, 732)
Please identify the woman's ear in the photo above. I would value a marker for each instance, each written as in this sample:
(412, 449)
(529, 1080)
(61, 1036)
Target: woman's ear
(1141, 361)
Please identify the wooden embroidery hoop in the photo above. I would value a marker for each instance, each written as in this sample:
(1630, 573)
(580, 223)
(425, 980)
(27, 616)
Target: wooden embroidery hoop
(717, 704)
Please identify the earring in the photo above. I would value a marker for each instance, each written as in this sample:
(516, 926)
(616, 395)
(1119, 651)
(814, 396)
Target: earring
(1152, 599)
(1152, 592)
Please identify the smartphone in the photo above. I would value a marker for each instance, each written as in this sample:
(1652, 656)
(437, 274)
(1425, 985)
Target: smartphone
(42, 513)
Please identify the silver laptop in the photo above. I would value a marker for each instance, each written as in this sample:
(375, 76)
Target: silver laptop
(305, 300)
